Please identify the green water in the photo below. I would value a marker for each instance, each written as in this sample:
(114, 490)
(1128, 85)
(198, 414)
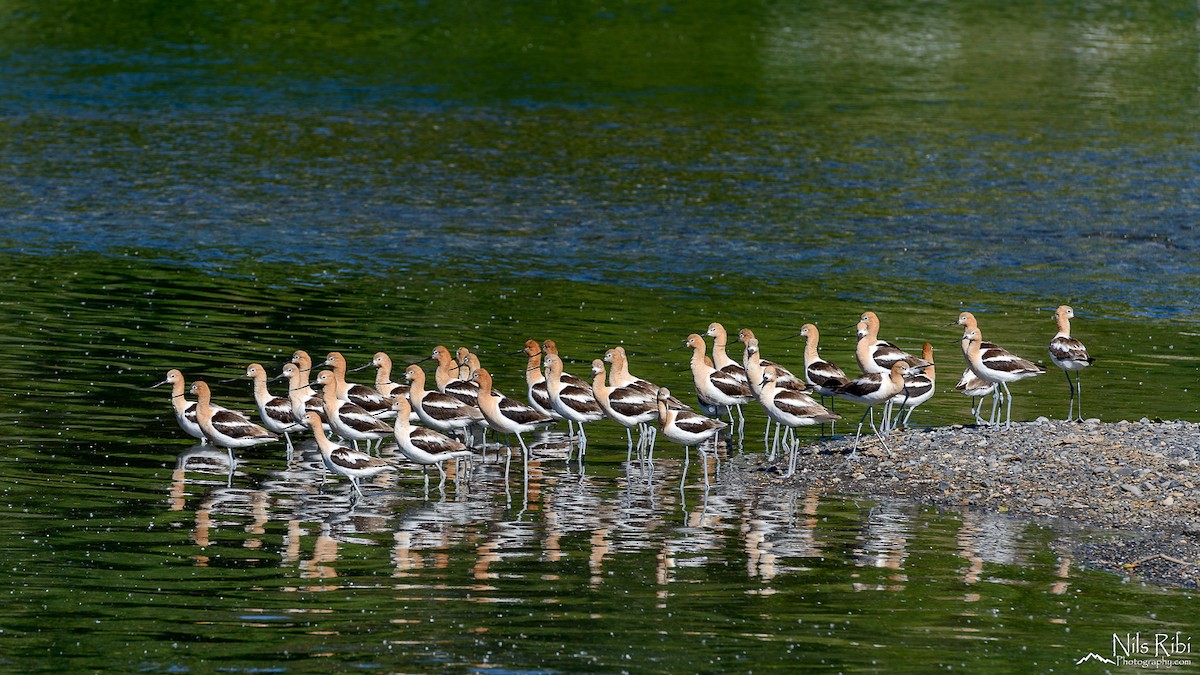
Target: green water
(205, 185)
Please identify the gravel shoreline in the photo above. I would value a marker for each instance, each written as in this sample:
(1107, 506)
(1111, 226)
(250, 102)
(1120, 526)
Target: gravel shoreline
(1136, 481)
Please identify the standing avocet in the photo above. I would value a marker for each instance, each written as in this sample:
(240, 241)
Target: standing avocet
(875, 355)
(423, 446)
(998, 366)
(686, 428)
(436, 410)
(275, 411)
(1069, 354)
(226, 428)
(756, 365)
(721, 359)
(918, 389)
(574, 402)
(343, 461)
(721, 387)
(504, 415)
(185, 410)
(626, 406)
(347, 419)
(791, 409)
(976, 387)
(535, 383)
(823, 376)
(871, 389)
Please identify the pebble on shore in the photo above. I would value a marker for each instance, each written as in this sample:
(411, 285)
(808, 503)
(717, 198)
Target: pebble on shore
(1138, 480)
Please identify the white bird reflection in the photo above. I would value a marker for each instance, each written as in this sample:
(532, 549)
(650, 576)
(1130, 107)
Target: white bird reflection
(566, 514)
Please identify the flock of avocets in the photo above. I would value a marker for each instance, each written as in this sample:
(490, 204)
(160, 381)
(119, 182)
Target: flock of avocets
(463, 398)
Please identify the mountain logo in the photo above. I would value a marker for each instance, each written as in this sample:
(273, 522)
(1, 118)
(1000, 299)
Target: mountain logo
(1093, 656)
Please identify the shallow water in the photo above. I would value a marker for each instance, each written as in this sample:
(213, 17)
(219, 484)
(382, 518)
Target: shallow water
(203, 190)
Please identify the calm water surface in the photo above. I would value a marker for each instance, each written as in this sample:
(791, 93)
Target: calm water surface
(203, 189)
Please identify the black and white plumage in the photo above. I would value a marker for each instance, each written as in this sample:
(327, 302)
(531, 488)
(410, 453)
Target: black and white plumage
(721, 360)
(383, 380)
(684, 426)
(436, 410)
(366, 398)
(754, 363)
(506, 415)
(629, 407)
(303, 398)
(1069, 354)
(343, 461)
(347, 419)
(226, 428)
(576, 403)
(975, 387)
(424, 446)
(823, 376)
(185, 410)
(997, 365)
(722, 389)
(918, 388)
(791, 409)
(719, 386)
(274, 411)
(875, 355)
(871, 389)
(535, 382)
(756, 366)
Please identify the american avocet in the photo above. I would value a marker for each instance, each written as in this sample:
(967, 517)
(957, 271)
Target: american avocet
(719, 386)
(185, 410)
(551, 347)
(918, 388)
(976, 387)
(226, 428)
(343, 461)
(304, 364)
(620, 378)
(720, 355)
(302, 397)
(348, 419)
(439, 411)
(446, 370)
(785, 378)
(628, 407)
(756, 365)
(996, 365)
(535, 383)
(871, 389)
(574, 402)
(791, 409)
(275, 411)
(1069, 354)
(383, 376)
(686, 427)
(504, 414)
(463, 386)
(823, 376)
(424, 446)
(875, 355)
(373, 402)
